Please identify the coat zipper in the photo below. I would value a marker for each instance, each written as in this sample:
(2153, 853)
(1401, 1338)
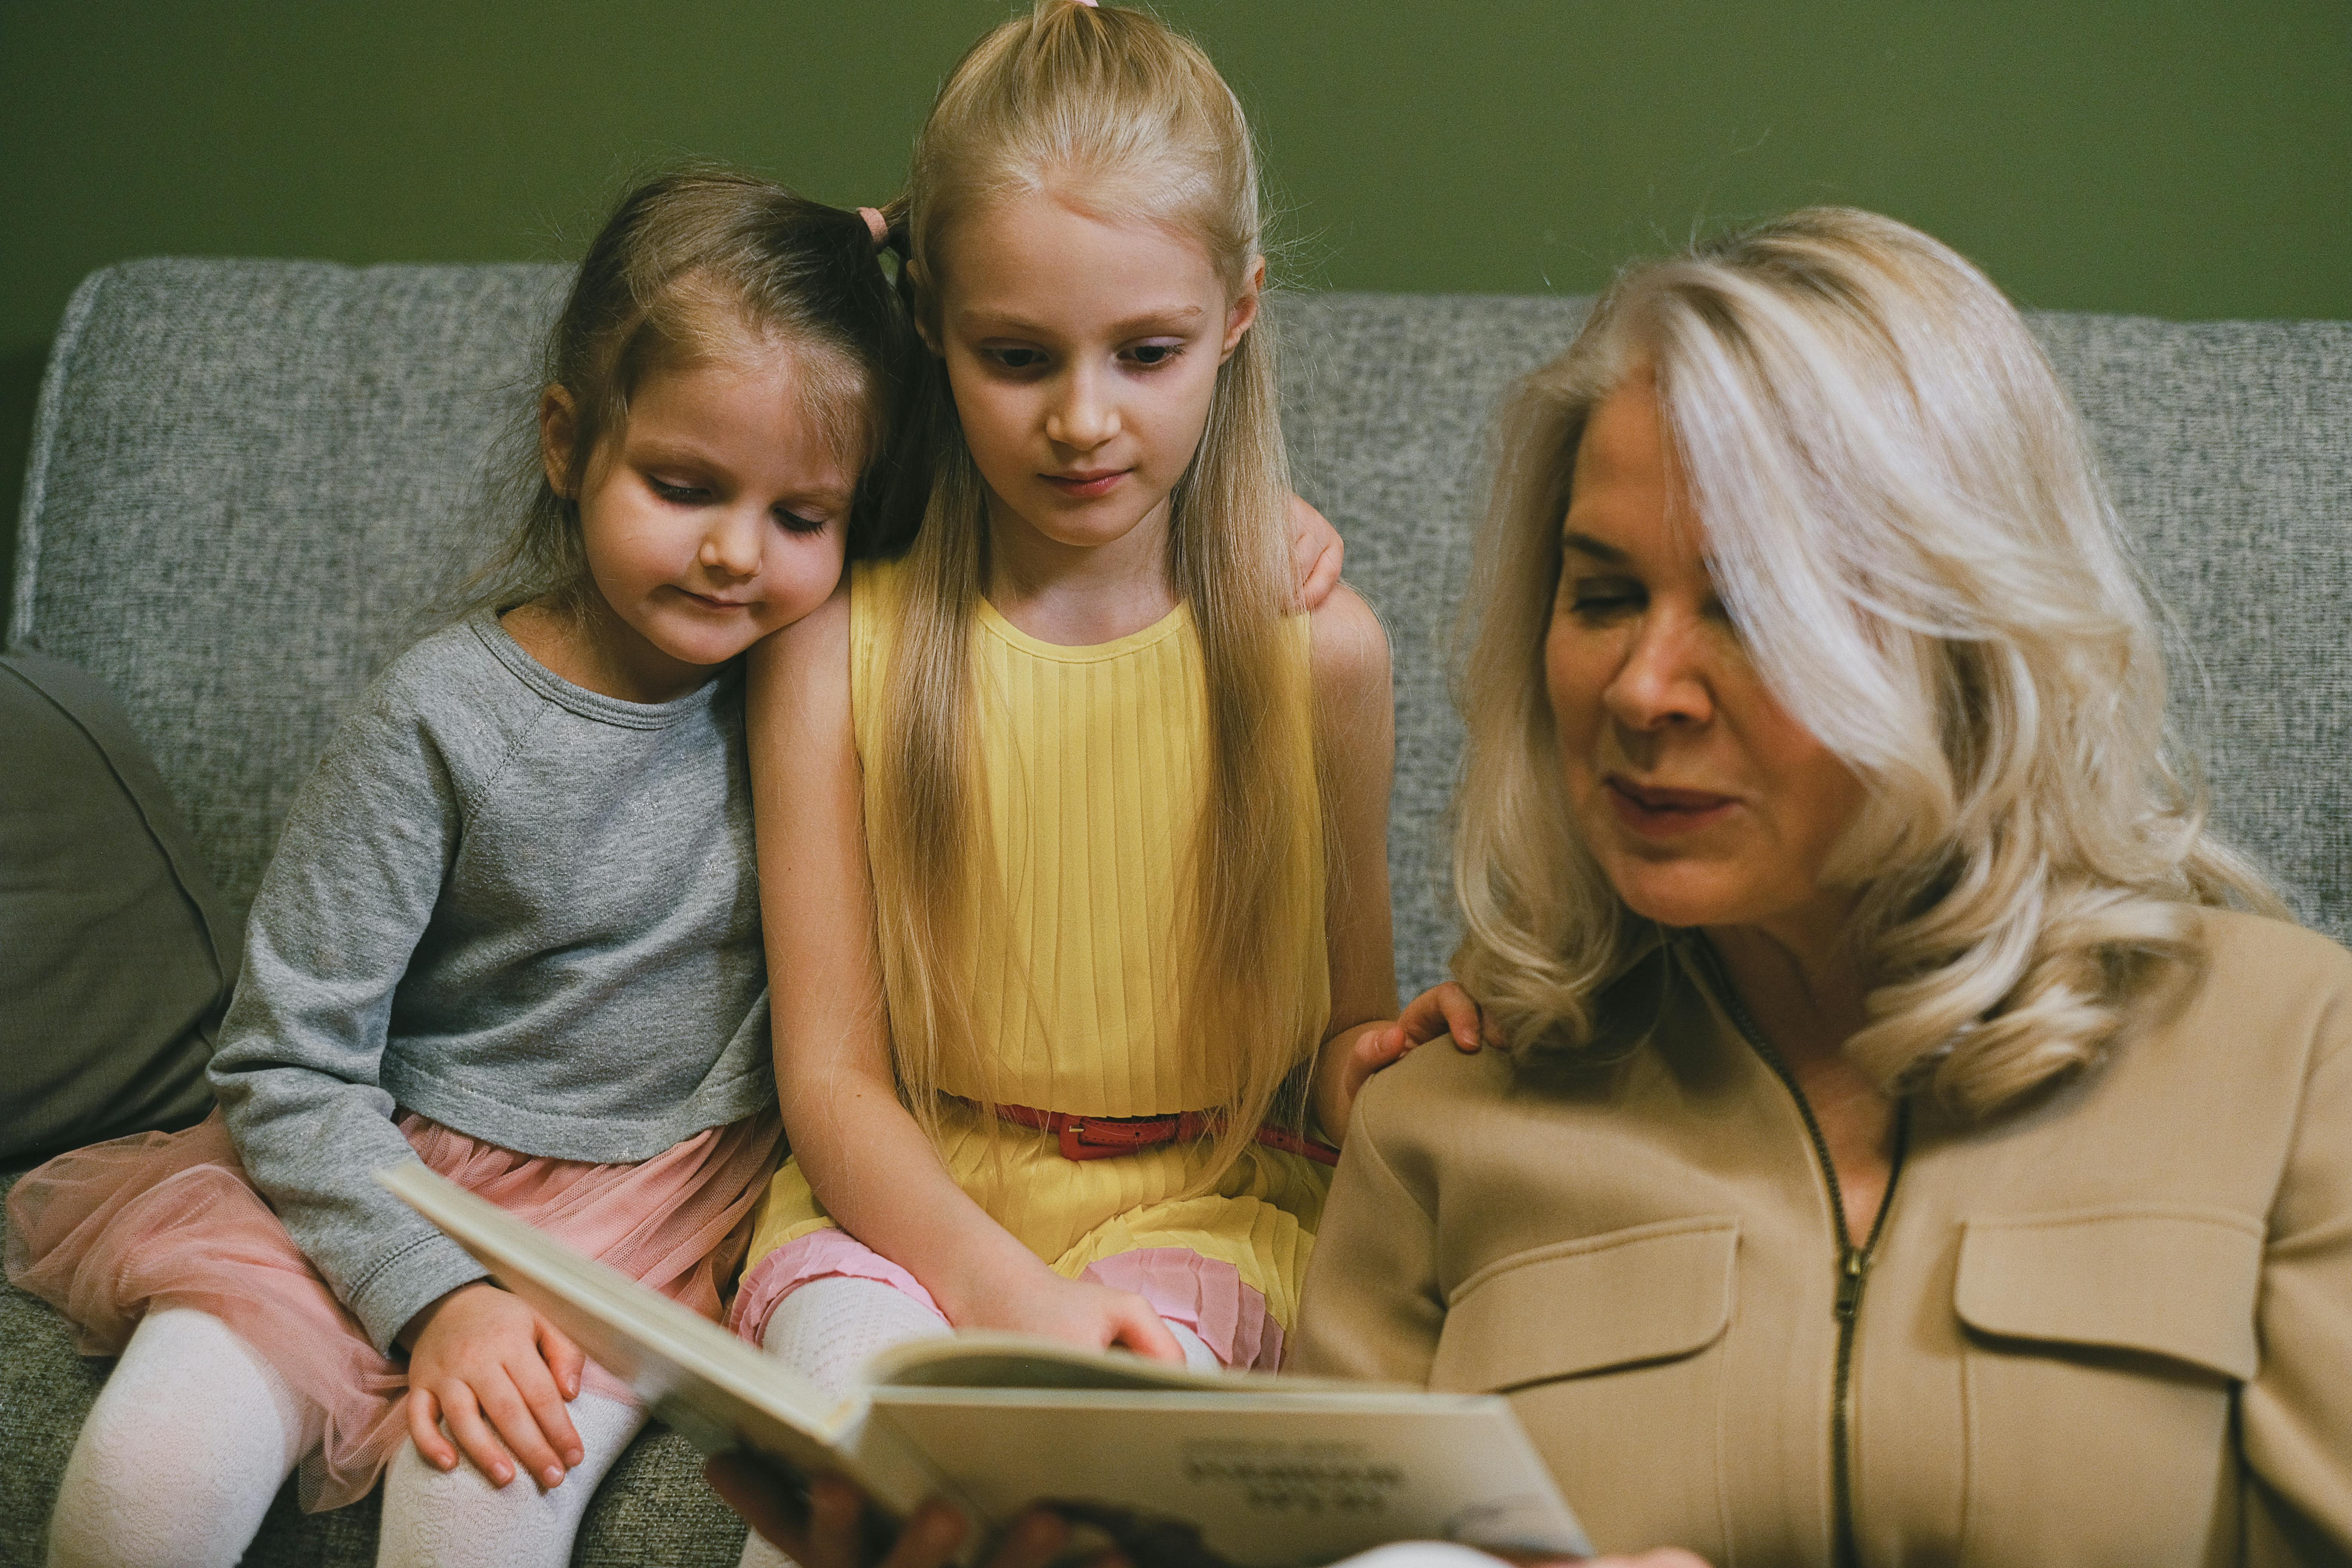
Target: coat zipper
(1853, 1264)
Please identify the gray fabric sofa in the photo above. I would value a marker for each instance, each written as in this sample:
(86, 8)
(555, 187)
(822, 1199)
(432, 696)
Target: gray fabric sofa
(248, 475)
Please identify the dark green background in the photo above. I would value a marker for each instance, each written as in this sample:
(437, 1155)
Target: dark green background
(2190, 160)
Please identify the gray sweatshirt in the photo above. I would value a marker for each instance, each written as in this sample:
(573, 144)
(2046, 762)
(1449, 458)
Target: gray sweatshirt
(523, 910)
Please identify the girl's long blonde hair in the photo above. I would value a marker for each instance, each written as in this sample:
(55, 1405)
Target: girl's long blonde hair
(1906, 522)
(1109, 107)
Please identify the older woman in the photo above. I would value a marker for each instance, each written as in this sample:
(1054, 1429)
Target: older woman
(1917, 1139)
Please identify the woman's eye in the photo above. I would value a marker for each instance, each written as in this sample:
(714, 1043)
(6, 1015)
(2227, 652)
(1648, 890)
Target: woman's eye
(1152, 356)
(1598, 598)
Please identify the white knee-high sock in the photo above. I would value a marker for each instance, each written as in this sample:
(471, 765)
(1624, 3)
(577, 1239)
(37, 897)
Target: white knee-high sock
(827, 1330)
(455, 1518)
(178, 1460)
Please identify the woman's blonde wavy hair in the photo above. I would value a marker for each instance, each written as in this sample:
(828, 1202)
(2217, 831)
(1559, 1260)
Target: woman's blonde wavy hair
(1109, 109)
(1906, 523)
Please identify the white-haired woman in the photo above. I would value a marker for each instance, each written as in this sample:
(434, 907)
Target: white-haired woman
(1914, 1138)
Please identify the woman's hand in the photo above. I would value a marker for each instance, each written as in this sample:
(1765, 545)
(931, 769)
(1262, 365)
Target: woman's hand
(832, 1536)
(1316, 551)
(479, 1352)
(1077, 1312)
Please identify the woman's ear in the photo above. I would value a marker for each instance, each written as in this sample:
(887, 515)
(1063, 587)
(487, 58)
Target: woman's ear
(1244, 309)
(558, 420)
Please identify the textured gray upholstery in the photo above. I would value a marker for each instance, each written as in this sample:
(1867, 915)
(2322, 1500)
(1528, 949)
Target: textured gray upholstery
(246, 476)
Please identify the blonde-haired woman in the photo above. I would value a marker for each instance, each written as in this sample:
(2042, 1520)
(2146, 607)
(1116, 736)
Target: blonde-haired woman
(1914, 1137)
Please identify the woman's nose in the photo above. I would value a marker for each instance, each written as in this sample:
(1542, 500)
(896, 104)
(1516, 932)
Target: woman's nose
(1081, 415)
(1665, 678)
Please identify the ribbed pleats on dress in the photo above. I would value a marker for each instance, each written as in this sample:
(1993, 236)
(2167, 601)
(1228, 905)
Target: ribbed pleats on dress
(1093, 771)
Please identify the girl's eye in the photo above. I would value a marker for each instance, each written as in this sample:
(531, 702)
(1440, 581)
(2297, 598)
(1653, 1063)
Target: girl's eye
(682, 494)
(1151, 356)
(793, 522)
(1017, 358)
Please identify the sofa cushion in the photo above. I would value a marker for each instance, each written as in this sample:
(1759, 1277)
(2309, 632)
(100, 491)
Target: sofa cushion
(118, 957)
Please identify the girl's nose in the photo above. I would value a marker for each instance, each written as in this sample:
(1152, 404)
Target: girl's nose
(1081, 417)
(732, 545)
(1665, 677)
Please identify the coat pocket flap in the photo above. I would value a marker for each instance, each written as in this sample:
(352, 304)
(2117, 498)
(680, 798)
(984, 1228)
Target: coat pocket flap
(1652, 1292)
(2170, 1282)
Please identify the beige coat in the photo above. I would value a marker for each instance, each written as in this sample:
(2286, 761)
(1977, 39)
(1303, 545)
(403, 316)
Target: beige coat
(2115, 1328)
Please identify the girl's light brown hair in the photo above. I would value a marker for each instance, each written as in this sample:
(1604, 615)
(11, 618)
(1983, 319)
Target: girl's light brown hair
(1905, 518)
(1108, 109)
(700, 265)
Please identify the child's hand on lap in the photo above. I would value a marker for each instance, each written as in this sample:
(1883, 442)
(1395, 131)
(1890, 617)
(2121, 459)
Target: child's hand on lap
(480, 1352)
(1077, 1312)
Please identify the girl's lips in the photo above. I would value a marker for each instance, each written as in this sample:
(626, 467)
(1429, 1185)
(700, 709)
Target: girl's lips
(708, 603)
(1086, 487)
(1666, 812)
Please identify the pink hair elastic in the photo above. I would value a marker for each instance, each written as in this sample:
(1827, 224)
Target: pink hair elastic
(876, 225)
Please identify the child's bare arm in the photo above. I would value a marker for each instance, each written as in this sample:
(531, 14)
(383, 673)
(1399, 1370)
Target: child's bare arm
(866, 1159)
(1355, 723)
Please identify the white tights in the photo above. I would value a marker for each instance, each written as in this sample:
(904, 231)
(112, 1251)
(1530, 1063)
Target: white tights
(193, 1433)
(446, 1518)
(189, 1441)
(827, 1329)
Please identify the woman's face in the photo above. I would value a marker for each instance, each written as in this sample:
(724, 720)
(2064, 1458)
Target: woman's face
(1705, 802)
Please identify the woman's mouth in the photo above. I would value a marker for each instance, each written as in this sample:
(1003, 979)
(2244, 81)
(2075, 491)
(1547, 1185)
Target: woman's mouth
(1655, 813)
(1089, 485)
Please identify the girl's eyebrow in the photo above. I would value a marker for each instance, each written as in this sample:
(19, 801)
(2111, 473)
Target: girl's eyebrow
(982, 317)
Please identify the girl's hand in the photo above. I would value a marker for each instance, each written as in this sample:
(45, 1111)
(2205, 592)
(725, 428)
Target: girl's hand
(479, 1352)
(1446, 1009)
(1316, 548)
(1076, 1311)
(1349, 1063)
(831, 1537)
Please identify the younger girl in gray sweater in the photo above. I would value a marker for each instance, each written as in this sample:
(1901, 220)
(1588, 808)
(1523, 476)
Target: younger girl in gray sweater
(511, 930)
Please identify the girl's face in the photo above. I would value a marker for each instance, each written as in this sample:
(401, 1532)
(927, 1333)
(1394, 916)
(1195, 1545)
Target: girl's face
(714, 516)
(1703, 801)
(1082, 354)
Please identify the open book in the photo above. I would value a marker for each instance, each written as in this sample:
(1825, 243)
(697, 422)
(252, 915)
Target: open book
(1255, 1471)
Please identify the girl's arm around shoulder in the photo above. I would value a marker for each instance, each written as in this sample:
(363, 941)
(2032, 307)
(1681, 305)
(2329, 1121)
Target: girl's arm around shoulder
(1355, 746)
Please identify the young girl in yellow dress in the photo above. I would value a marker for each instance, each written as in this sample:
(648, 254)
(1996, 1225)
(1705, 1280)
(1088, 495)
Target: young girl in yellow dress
(1071, 839)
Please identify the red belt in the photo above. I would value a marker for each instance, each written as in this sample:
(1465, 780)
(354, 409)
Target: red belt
(1108, 1137)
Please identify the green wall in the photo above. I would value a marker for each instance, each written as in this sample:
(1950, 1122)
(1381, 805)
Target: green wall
(2190, 160)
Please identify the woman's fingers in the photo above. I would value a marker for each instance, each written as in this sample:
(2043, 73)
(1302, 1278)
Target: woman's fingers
(1036, 1540)
(930, 1539)
(835, 1509)
(424, 1430)
(742, 1486)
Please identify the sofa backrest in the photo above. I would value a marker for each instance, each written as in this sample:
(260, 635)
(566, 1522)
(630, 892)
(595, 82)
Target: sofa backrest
(248, 476)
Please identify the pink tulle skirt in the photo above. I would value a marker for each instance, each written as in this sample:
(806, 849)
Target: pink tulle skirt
(111, 1233)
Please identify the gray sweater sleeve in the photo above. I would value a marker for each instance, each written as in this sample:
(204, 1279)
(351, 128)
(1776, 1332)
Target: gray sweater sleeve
(354, 882)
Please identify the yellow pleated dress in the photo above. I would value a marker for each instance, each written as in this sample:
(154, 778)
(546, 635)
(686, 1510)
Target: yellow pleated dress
(1093, 760)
